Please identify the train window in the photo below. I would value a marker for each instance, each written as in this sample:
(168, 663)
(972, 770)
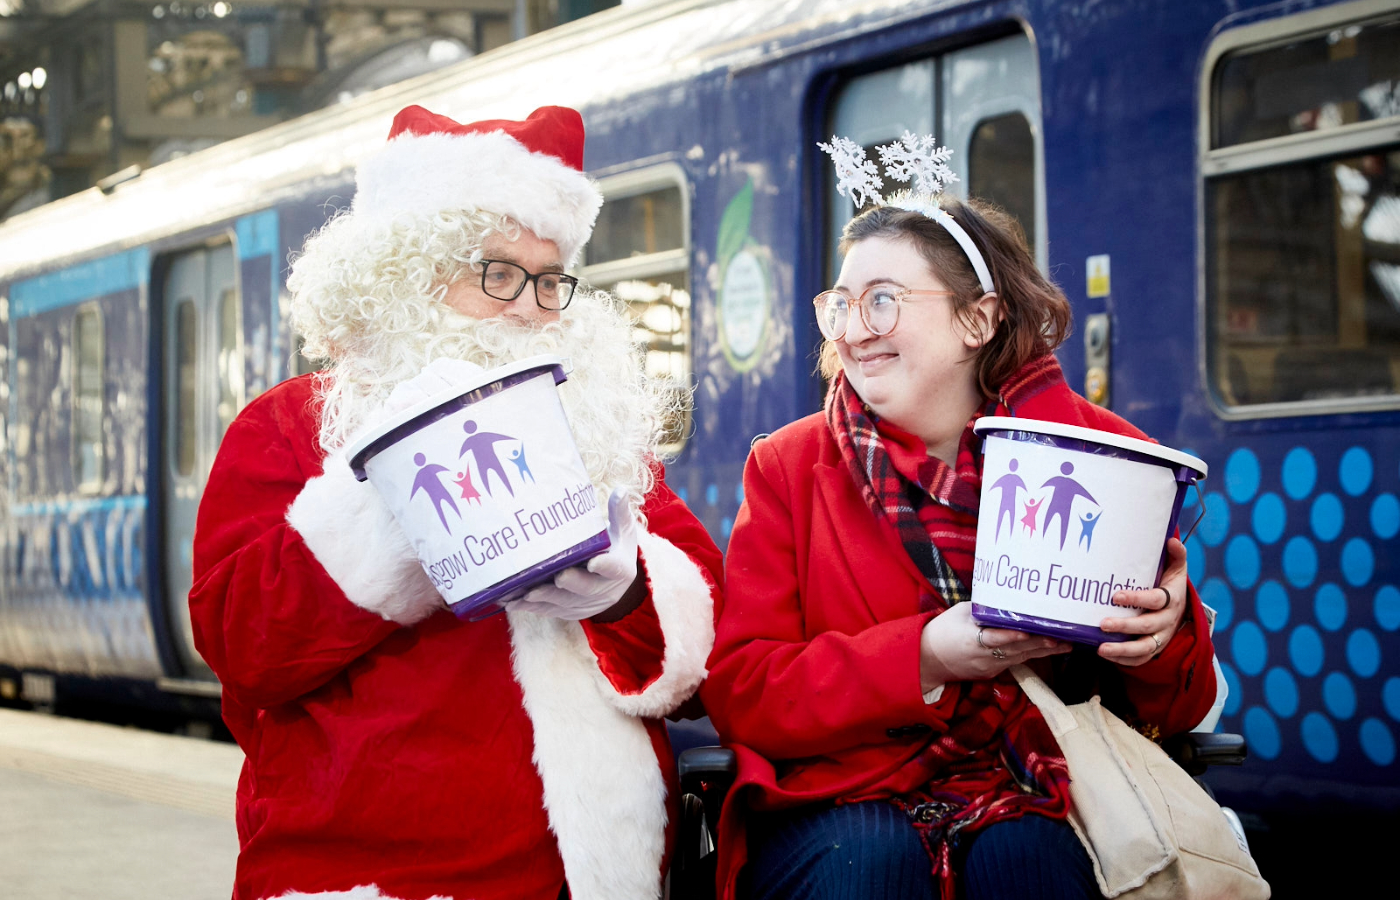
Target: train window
(230, 372)
(636, 226)
(89, 387)
(1302, 237)
(982, 101)
(640, 253)
(301, 363)
(1346, 74)
(186, 384)
(1001, 167)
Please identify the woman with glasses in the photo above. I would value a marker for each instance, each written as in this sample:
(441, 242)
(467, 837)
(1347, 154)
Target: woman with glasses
(884, 749)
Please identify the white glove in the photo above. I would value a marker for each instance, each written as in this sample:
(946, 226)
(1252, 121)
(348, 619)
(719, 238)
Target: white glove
(578, 593)
(437, 377)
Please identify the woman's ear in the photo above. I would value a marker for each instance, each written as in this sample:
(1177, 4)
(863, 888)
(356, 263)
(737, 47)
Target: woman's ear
(982, 319)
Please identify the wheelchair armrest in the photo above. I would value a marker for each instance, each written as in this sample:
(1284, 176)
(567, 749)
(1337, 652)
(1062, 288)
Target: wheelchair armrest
(1196, 750)
(706, 774)
(702, 767)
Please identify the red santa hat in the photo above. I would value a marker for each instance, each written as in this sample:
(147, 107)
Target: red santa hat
(531, 171)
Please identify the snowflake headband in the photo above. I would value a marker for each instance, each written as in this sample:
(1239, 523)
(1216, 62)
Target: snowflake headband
(913, 156)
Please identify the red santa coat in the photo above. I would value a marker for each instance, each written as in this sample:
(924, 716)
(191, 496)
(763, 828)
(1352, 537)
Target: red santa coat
(814, 679)
(390, 743)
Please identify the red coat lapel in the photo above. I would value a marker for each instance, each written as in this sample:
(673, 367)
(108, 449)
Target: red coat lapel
(866, 545)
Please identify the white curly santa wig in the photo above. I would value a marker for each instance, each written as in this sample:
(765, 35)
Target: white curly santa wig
(423, 207)
(367, 288)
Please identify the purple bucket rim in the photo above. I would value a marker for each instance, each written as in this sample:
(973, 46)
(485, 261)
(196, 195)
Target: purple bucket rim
(469, 607)
(1055, 628)
(987, 425)
(428, 411)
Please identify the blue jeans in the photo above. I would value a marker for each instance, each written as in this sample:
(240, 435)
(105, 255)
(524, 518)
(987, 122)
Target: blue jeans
(870, 851)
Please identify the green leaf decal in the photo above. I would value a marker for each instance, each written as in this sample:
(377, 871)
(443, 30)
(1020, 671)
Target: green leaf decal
(734, 226)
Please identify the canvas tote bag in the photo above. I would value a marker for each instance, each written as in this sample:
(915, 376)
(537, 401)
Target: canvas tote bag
(1151, 831)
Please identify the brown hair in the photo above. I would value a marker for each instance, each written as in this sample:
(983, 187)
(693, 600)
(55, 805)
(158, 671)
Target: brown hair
(1035, 315)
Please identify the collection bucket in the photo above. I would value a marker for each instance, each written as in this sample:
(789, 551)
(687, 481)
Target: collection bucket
(1068, 516)
(488, 485)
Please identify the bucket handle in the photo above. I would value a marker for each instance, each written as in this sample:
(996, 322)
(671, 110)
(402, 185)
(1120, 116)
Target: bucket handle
(1204, 510)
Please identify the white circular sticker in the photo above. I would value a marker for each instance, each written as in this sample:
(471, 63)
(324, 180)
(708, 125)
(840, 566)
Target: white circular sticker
(743, 305)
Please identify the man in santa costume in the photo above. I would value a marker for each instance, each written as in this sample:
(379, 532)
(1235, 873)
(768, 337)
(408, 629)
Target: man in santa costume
(393, 749)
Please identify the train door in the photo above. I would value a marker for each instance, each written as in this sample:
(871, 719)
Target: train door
(201, 392)
(982, 101)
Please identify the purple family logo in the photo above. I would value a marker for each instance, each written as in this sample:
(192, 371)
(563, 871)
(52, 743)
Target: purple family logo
(481, 445)
(1056, 496)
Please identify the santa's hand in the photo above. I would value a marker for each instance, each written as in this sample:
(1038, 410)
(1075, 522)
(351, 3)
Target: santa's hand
(438, 377)
(582, 592)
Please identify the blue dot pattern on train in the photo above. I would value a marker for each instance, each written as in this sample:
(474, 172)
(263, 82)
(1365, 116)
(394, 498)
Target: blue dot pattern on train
(1270, 518)
(1288, 555)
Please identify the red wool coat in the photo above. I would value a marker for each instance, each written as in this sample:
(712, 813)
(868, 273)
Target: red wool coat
(814, 679)
(390, 743)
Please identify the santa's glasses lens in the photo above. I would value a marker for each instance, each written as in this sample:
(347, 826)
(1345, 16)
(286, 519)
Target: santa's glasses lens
(506, 281)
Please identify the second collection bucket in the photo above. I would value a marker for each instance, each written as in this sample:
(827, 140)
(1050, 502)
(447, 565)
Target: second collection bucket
(1070, 515)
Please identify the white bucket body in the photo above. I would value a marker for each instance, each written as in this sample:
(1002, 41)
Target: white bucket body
(488, 486)
(1068, 517)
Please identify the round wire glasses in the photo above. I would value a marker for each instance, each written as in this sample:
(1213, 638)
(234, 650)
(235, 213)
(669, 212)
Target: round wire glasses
(879, 309)
(504, 280)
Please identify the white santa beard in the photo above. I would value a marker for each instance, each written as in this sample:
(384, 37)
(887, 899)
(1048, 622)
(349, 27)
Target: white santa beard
(613, 411)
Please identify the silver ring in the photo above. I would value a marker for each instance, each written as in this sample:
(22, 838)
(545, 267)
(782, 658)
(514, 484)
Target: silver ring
(981, 629)
(998, 653)
(1156, 640)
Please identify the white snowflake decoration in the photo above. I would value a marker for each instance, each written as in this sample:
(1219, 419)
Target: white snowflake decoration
(918, 157)
(856, 176)
(913, 156)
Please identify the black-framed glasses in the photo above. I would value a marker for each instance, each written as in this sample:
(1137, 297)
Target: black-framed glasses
(879, 309)
(502, 280)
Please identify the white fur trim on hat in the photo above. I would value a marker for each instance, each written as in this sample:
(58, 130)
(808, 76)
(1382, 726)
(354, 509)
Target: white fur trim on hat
(352, 533)
(684, 602)
(421, 175)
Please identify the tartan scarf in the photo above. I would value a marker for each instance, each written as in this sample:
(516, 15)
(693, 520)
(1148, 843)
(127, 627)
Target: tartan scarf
(998, 760)
(903, 502)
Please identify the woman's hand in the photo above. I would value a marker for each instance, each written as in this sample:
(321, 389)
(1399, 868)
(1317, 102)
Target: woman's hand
(952, 647)
(1160, 619)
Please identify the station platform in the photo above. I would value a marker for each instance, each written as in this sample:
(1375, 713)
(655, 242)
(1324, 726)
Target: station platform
(99, 811)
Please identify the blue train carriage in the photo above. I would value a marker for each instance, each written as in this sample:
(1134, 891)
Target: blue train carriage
(1297, 223)
(1221, 209)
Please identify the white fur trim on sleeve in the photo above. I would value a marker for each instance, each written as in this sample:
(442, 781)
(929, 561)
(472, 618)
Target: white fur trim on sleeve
(363, 892)
(685, 605)
(353, 535)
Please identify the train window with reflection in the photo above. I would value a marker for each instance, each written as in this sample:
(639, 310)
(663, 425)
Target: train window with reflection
(300, 363)
(89, 387)
(186, 384)
(981, 101)
(1315, 82)
(639, 252)
(1302, 236)
(230, 359)
(1001, 167)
